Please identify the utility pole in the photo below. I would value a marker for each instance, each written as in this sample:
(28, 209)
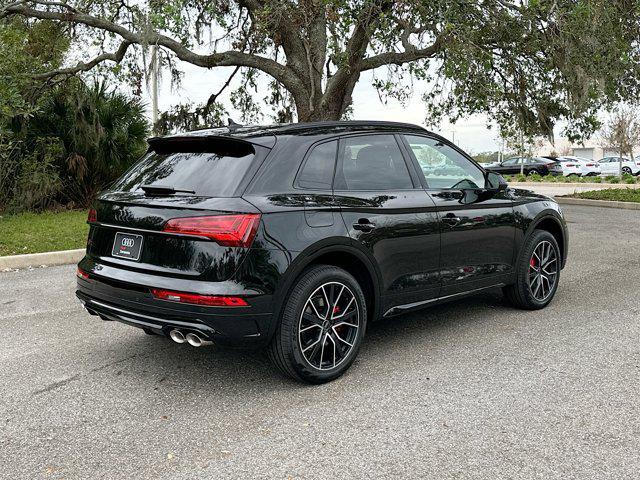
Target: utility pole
(521, 148)
(154, 86)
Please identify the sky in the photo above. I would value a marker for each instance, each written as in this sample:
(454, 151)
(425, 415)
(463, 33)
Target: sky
(471, 134)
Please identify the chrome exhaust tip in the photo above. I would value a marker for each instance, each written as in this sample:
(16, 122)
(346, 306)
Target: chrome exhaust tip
(196, 341)
(177, 336)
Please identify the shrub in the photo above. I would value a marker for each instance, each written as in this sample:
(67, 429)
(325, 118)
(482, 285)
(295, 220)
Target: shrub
(535, 177)
(596, 179)
(82, 138)
(521, 178)
(611, 179)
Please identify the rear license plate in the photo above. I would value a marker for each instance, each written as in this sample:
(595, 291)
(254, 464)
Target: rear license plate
(127, 245)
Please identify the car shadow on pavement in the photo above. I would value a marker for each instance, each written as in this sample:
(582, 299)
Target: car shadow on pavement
(169, 365)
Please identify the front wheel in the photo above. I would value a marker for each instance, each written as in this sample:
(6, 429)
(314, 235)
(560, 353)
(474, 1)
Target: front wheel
(537, 272)
(322, 326)
(626, 170)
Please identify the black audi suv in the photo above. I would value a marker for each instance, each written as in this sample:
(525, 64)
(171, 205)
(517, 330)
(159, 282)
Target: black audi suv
(296, 237)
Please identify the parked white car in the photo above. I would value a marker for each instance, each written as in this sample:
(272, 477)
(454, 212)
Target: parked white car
(611, 165)
(565, 166)
(587, 167)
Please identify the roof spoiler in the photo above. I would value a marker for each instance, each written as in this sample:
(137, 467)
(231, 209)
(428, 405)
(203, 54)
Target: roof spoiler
(229, 146)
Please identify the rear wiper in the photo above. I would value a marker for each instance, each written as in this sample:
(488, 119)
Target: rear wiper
(162, 190)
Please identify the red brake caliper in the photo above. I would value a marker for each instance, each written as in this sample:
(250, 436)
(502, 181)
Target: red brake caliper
(533, 262)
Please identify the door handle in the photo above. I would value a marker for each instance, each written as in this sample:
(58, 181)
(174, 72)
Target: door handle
(451, 220)
(364, 225)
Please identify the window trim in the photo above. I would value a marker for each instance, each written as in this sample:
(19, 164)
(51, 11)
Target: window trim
(407, 162)
(305, 160)
(437, 138)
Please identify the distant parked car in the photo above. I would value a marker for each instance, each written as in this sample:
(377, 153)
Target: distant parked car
(515, 165)
(611, 165)
(570, 165)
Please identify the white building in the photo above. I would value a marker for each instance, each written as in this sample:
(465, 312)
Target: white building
(590, 149)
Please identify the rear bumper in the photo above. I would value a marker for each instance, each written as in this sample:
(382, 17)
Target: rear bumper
(134, 305)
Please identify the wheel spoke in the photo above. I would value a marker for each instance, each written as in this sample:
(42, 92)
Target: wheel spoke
(310, 327)
(328, 303)
(314, 343)
(334, 348)
(344, 312)
(340, 338)
(324, 341)
(312, 318)
(345, 323)
(335, 304)
(315, 309)
(538, 285)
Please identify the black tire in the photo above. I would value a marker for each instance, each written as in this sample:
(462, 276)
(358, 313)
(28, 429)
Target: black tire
(286, 350)
(522, 294)
(626, 170)
(533, 171)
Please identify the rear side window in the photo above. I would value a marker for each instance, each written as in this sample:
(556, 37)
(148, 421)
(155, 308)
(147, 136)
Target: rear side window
(372, 162)
(317, 171)
(216, 172)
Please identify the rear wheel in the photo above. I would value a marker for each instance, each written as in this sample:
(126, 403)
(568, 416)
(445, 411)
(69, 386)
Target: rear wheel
(322, 326)
(626, 170)
(534, 171)
(537, 272)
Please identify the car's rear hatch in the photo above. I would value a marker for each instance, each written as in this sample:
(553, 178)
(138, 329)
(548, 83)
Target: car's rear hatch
(178, 211)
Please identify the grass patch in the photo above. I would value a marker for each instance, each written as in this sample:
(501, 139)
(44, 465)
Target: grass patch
(43, 232)
(617, 194)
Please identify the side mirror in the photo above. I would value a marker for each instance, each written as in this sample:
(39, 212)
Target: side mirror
(495, 181)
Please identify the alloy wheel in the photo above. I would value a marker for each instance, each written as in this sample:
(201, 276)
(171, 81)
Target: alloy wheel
(543, 270)
(328, 326)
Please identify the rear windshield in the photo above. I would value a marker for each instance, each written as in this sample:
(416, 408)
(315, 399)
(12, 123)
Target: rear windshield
(215, 173)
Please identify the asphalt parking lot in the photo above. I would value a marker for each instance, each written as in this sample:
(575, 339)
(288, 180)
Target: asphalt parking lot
(473, 389)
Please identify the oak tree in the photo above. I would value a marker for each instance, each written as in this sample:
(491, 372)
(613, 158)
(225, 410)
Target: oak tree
(525, 63)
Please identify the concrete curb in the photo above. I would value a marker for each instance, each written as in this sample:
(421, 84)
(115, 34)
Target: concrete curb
(597, 203)
(37, 259)
(592, 186)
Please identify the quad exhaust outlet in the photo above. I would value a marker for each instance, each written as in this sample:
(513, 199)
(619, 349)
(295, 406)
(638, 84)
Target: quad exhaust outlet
(191, 338)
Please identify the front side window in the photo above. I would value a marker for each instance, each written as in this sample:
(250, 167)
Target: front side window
(443, 166)
(372, 162)
(317, 171)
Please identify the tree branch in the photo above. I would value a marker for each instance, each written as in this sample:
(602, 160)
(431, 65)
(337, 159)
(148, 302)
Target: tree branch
(231, 58)
(116, 57)
(215, 96)
(400, 58)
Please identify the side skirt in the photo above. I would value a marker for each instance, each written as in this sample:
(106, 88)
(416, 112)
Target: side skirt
(397, 310)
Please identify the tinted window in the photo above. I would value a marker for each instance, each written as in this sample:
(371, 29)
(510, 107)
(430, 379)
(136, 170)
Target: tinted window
(443, 166)
(511, 161)
(372, 162)
(317, 171)
(208, 174)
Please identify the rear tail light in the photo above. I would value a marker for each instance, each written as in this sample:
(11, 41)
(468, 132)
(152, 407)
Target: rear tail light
(82, 274)
(591, 164)
(227, 230)
(92, 216)
(195, 299)
(571, 165)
